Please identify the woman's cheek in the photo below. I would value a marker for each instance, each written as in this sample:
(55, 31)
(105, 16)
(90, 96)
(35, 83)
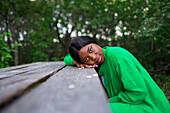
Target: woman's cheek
(88, 62)
(92, 63)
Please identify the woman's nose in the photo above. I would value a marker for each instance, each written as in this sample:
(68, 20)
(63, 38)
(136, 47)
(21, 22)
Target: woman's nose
(93, 57)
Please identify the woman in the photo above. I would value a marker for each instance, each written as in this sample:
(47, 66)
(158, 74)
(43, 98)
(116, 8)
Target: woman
(130, 88)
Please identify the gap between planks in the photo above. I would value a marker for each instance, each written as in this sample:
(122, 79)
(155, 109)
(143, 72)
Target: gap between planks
(27, 89)
(20, 67)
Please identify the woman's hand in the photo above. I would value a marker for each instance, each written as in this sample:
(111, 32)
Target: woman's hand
(84, 65)
(90, 66)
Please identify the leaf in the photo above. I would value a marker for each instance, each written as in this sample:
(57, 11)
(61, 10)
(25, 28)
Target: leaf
(8, 56)
(12, 45)
(2, 58)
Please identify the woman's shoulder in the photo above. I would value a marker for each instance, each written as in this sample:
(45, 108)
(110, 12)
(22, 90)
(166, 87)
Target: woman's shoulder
(114, 47)
(117, 53)
(115, 50)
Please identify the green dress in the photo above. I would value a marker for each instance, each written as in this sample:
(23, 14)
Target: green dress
(129, 86)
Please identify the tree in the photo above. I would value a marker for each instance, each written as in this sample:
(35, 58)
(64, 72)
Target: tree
(46, 27)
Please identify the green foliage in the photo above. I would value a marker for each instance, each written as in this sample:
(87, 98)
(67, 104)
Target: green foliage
(5, 51)
(163, 82)
(143, 24)
(41, 30)
(152, 37)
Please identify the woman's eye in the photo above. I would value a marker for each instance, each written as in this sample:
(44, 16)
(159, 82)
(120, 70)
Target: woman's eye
(86, 59)
(91, 50)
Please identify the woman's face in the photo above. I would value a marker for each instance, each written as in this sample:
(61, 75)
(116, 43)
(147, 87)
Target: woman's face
(91, 54)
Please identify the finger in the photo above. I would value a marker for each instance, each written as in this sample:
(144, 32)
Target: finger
(88, 66)
(91, 66)
(78, 65)
(95, 65)
(81, 66)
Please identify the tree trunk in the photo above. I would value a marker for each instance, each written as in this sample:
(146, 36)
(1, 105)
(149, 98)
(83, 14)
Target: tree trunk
(16, 57)
(16, 60)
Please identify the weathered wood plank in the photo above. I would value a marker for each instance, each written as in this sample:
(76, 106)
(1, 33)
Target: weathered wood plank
(19, 66)
(19, 74)
(16, 85)
(70, 90)
(16, 70)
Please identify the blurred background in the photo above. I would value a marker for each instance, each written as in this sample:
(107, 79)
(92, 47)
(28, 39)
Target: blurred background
(41, 30)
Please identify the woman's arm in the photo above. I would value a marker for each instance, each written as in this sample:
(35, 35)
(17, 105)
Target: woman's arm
(68, 60)
(133, 83)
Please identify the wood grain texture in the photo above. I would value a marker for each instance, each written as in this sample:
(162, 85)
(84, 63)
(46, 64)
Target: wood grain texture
(70, 90)
(18, 70)
(20, 66)
(14, 86)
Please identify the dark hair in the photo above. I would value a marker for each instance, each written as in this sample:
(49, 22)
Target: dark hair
(77, 43)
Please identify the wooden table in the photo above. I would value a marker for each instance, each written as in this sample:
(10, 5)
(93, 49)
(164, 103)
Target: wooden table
(51, 87)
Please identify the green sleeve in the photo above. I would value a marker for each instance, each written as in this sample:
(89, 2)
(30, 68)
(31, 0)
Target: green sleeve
(68, 60)
(133, 84)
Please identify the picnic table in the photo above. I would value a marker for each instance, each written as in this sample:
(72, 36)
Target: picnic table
(51, 87)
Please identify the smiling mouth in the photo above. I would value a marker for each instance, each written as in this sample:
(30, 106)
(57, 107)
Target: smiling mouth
(99, 60)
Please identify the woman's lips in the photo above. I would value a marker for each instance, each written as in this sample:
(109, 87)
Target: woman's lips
(99, 60)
